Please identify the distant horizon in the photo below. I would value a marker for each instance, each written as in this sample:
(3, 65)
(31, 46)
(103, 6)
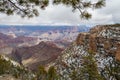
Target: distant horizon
(54, 25)
(41, 24)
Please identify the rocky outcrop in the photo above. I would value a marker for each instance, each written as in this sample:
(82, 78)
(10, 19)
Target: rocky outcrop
(103, 41)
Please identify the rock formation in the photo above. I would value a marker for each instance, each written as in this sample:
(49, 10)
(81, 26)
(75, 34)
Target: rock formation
(103, 41)
(34, 56)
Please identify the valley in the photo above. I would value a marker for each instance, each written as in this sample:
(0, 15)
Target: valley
(33, 46)
(69, 55)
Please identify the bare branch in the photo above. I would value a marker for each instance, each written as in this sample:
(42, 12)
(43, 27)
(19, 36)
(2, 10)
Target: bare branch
(12, 3)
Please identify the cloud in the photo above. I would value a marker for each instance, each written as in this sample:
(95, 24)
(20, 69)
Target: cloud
(60, 15)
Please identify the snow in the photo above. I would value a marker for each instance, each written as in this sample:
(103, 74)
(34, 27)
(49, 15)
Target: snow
(13, 62)
(81, 50)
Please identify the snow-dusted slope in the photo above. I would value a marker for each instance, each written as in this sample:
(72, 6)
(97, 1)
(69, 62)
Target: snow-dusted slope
(103, 41)
(13, 70)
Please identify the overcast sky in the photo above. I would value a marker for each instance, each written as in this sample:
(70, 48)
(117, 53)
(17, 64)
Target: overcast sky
(62, 15)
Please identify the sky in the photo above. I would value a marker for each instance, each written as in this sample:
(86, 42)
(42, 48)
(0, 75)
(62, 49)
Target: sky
(62, 15)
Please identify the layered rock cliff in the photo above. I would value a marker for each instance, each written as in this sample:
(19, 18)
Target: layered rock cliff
(102, 40)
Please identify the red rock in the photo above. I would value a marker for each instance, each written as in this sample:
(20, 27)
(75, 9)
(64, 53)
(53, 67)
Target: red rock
(98, 38)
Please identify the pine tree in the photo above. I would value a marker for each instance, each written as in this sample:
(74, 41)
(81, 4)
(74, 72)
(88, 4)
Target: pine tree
(89, 69)
(29, 8)
(41, 74)
(52, 74)
(4, 66)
